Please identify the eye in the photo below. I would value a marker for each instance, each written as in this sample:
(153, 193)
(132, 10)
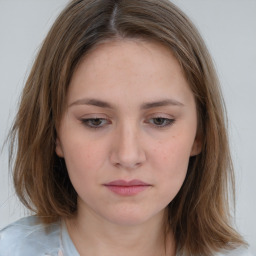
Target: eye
(161, 122)
(95, 122)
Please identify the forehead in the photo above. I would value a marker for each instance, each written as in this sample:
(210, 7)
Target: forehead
(138, 52)
(128, 67)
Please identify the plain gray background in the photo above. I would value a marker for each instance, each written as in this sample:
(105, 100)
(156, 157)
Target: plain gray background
(229, 29)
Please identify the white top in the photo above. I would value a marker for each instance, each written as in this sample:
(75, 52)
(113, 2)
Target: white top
(30, 237)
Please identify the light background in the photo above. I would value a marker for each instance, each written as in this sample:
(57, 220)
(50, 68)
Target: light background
(229, 28)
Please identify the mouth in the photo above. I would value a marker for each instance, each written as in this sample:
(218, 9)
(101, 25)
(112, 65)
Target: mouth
(127, 188)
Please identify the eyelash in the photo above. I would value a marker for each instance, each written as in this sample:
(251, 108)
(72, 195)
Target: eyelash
(88, 122)
(167, 121)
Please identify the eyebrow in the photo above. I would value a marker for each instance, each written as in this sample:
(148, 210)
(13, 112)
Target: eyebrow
(161, 103)
(144, 106)
(93, 102)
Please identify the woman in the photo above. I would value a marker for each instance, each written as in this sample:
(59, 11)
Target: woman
(121, 133)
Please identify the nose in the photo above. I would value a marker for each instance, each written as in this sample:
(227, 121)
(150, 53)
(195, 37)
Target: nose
(127, 150)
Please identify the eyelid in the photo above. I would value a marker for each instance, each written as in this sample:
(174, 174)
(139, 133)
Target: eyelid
(168, 120)
(94, 116)
(86, 122)
(164, 121)
(160, 115)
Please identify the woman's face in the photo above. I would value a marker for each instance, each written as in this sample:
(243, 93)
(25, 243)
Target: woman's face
(128, 131)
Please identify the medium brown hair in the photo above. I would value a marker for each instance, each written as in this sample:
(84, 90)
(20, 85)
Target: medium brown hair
(199, 215)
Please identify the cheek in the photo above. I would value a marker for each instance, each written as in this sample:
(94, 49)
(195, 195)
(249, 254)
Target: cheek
(173, 151)
(83, 159)
(84, 163)
(173, 165)
(171, 160)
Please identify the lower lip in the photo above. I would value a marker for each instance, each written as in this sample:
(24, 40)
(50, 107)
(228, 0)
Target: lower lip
(127, 190)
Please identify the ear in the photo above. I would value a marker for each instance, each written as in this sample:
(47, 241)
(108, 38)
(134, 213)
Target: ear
(58, 148)
(197, 146)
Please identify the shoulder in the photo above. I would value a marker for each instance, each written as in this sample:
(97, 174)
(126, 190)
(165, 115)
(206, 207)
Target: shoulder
(242, 251)
(29, 236)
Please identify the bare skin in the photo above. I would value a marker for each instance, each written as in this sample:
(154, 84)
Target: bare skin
(131, 117)
(126, 241)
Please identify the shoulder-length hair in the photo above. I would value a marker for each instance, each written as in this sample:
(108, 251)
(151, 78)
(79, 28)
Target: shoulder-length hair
(199, 215)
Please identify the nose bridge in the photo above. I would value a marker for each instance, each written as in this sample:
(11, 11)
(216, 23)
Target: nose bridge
(127, 148)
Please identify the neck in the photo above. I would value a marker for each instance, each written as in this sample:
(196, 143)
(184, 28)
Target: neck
(94, 236)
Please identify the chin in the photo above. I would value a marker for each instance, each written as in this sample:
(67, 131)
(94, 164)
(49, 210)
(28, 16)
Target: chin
(131, 218)
(128, 221)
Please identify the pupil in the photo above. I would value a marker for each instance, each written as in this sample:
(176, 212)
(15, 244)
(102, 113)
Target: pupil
(96, 121)
(159, 121)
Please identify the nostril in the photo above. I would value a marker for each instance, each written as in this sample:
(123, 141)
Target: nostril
(127, 150)
(127, 165)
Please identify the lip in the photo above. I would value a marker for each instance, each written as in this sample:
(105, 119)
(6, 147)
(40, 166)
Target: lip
(127, 188)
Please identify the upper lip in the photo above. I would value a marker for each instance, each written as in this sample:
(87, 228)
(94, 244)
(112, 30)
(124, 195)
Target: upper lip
(125, 183)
